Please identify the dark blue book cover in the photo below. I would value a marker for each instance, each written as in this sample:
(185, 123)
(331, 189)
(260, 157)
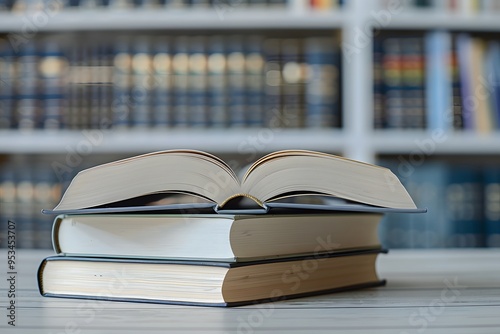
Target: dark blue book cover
(379, 117)
(491, 177)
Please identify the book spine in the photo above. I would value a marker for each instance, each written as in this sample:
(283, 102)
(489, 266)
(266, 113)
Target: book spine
(458, 123)
(254, 76)
(217, 82)
(7, 85)
(464, 46)
(438, 80)
(162, 90)
(25, 215)
(272, 75)
(122, 62)
(236, 81)
(140, 93)
(492, 206)
(464, 203)
(392, 73)
(378, 85)
(27, 87)
(180, 65)
(413, 82)
(197, 65)
(53, 67)
(322, 91)
(293, 84)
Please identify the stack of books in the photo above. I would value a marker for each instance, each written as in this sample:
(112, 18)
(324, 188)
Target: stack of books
(119, 237)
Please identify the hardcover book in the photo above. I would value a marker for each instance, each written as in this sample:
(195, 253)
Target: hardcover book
(133, 182)
(205, 283)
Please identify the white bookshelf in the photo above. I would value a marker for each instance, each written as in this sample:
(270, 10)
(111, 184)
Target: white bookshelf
(356, 140)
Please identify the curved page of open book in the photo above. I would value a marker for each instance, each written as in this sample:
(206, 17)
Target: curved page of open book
(272, 177)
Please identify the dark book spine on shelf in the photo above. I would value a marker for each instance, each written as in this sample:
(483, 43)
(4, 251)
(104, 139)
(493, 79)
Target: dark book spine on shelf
(393, 83)
(217, 82)
(464, 45)
(105, 71)
(7, 85)
(162, 83)
(254, 81)
(53, 67)
(464, 204)
(236, 81)
(197, 82)
(25, 215)
(379, 118)
(293, 84)
(458, 123)
(84, 87)
(7, 200)
(141, 90)
(94, 82)
(122, 66)
(322, 90)
(27, 87)
(492, 206)
(46, 193)
(492, 75)
(272, 75)
(181, 87)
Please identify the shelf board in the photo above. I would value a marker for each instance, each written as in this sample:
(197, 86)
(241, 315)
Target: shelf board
(150, 19)
(427, 20)
(242, 141)
(423, 142)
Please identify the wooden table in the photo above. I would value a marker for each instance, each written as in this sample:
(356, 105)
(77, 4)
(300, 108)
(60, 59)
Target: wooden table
(428, 291)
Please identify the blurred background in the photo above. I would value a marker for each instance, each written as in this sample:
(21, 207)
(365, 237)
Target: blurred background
(411, 85)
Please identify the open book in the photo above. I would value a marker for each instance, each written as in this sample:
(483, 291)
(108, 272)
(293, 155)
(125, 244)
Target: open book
(278, 175)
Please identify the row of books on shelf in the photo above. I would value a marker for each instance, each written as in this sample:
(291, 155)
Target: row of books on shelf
(463, 203)
(162, 81)
(437, 80)
(221, 5)
(452, 6)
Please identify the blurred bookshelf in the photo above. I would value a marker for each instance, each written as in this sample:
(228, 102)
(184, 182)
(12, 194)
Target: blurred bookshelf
(367, 80)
